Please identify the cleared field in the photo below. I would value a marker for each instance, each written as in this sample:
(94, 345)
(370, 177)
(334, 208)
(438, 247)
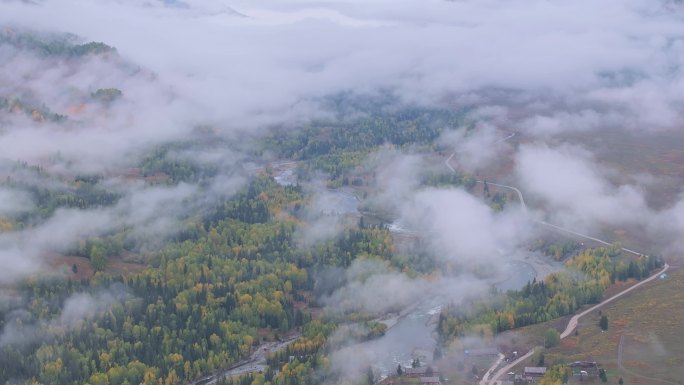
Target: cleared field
(643, 343)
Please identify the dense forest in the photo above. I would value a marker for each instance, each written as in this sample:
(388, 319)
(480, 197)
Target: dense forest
(337, 147)
(205, 304)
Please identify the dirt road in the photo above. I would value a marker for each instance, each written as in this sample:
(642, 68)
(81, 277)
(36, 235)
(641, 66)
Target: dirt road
(573, 321)
(508, 367)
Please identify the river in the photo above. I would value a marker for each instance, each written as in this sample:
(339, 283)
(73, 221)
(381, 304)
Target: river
(410, 337)
(412, 334)
(331, 202)
(326, 201)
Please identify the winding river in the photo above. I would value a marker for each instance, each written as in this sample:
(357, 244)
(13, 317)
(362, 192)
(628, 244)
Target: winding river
(412, 335)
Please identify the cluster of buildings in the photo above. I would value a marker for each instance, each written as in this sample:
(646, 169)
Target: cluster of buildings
(531, 374)
(425, 375)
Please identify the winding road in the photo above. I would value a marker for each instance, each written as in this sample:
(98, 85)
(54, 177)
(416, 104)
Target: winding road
(572, 324)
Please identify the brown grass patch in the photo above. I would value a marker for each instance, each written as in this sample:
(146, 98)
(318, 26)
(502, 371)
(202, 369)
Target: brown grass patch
(117, 265)
(639, 338)
(569, 343)
(617, 287)
(622, 323)
(62, 265)
(633, 364)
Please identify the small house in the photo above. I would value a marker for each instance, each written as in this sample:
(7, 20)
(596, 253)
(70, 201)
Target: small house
(583, 368)
(415, 372)
(482, 352)
(430, 381)
(534, 372)
(422, 371)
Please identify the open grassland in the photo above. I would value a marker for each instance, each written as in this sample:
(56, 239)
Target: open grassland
(636, 154)
(643, 343)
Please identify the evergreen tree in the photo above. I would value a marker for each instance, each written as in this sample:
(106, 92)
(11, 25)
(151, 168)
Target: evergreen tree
(437, 354)
(370, 378)
(551, 338)
(603, 376)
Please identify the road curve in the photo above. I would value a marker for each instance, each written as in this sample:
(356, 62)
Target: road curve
(523, 205)
(510, 366)
(585, 236)
(572, 324)
(485, 378)
(520, 195)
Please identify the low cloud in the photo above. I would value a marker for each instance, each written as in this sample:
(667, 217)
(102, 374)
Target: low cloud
(151, 213)
(575, 190)
(477, 148)
(556, 123)
(375, 288)
(462, 229)
(81, 306)
(21, 329)
(326, 215)
(13, 202)
(666, 228)
(397, 176)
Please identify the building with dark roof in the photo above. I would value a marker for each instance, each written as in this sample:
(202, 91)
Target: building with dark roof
(532, 372)
(430, 381)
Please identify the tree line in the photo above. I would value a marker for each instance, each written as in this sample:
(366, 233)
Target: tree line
(587, 276)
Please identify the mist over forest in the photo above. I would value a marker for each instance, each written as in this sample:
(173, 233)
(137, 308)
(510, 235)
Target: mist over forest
(191, 188)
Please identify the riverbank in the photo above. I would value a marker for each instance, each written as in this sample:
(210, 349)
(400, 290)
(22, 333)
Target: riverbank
(391, 319)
